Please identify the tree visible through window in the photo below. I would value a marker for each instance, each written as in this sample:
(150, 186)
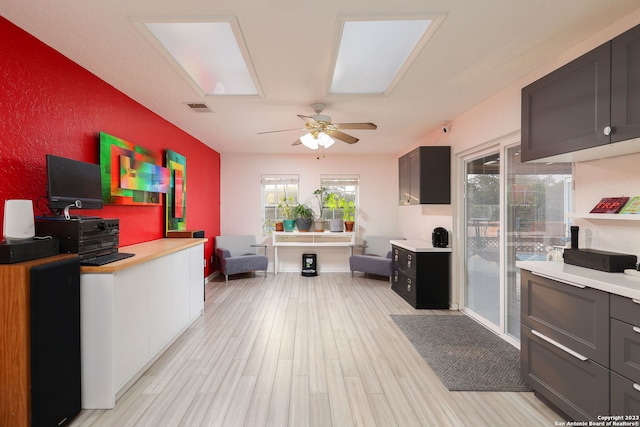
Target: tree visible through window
(345, 188)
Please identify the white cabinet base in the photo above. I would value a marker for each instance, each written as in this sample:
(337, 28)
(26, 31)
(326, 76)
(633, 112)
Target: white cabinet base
(131, 315)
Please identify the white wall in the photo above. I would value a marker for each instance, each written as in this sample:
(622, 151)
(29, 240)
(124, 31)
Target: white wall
(613, 177)
(240, 196)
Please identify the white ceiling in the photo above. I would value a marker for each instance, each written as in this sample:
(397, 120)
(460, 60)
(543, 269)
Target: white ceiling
(481, 47)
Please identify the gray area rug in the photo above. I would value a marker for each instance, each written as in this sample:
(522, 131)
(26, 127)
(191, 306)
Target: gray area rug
(465, 355)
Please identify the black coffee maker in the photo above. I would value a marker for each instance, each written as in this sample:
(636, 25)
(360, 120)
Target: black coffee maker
(440, 237)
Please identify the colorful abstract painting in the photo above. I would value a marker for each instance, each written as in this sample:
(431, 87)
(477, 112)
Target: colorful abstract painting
(131, 175)
(176, 201)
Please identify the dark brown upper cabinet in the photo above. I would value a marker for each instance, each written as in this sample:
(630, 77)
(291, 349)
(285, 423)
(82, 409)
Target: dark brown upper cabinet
(578, 111)
(425, 176)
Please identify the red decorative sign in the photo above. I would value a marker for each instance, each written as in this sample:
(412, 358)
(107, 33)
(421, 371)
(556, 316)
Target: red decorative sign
(610, 205)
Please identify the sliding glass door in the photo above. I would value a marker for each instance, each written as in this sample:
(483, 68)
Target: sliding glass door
(512, 211)
(482, 219)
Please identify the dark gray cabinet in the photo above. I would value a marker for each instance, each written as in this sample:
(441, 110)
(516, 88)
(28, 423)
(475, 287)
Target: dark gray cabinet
(625, 356)
(625, 87)
(565, 345)
(425, 176)
(421, 278)
(590, 102)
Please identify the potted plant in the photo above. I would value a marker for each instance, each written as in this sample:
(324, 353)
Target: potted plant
(321, 194)
(348, 213)
(286, 209)
(332, 202)
(304, 216)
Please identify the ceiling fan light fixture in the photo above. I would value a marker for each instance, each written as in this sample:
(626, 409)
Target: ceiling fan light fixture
(325, 140)
(313, 140)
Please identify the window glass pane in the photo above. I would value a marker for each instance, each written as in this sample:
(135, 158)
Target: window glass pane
(344, 187)
(276, 188)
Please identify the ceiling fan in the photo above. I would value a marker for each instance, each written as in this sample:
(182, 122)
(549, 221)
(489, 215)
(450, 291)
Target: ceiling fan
(321, 131)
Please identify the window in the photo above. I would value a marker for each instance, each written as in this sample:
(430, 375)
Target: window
(275, 188)
(343, 186)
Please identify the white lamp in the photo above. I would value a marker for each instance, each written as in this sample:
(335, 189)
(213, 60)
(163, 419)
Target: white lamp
(313, 140)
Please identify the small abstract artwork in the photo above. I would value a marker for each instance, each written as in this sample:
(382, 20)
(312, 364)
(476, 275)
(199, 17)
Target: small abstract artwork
(131, 175)
(143, 176)
(176, 200)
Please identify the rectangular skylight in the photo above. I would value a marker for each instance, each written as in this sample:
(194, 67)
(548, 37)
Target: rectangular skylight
(211, 53)
(373, 55)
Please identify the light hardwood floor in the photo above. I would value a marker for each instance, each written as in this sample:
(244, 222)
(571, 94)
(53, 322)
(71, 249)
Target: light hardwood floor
(288, 350)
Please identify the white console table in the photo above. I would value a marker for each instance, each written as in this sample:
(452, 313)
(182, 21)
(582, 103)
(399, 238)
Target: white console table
(132, 310)
(310, 239)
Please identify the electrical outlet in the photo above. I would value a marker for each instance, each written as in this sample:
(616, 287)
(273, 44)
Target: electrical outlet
(588, 237)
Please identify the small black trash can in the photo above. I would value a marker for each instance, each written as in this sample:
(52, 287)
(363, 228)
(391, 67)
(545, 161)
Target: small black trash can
(309, 265)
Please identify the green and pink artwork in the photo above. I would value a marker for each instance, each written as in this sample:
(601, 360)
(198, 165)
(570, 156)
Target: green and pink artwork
(176, 201)
(131, 175)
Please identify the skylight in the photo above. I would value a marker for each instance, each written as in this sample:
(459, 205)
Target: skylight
(373, 55)
(212, 54)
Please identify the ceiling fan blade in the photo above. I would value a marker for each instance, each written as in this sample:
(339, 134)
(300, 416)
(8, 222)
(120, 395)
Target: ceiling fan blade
(342, 136)
(310, 121)
(283, 130)
(355, 126)
(297, 142)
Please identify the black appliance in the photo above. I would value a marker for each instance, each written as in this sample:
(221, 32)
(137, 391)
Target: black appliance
(440, 237)
(309, 265)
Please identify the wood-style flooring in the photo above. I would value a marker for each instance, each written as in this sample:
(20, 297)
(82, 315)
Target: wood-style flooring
(288, 350)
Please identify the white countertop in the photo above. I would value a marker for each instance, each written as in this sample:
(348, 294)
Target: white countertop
(418, 246)
(615, 283)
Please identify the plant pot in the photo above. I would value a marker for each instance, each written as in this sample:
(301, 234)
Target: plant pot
(336, 225)
(279, 226)
(304, 224)
(318, 225)
(289, 224)
(348, 225)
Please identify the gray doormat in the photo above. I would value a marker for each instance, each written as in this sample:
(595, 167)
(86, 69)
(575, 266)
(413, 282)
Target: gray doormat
(465, 355)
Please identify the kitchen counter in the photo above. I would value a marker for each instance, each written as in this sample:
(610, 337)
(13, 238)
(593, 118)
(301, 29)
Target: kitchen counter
(615, 283)
(418, 246)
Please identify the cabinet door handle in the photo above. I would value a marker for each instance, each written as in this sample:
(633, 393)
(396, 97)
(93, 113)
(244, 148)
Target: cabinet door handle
(636, 329)
(636, 386)
(577, 285)
(560, 346)
(607, 130)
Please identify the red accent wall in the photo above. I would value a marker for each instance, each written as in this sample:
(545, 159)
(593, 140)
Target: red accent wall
(51, 105)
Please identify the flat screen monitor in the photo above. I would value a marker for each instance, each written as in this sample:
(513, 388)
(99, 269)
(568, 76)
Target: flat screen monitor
(70, 181)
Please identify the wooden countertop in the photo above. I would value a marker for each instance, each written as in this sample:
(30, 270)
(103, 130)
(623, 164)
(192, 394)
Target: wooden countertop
(144, 252)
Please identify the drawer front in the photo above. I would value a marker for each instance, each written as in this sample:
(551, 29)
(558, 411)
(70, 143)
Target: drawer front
(578, 388)
(625, 309)
(625, 349)
(575, 317)
(404, 285)
(625, 397)
(404, 260)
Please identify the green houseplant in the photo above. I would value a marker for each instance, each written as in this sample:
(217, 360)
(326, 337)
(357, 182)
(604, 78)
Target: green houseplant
(321, 195)
(348, 213)
(303, 215)
(286, 209)
(332, 202)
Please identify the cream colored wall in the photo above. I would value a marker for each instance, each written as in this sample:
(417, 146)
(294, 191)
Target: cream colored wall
(240, 196)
